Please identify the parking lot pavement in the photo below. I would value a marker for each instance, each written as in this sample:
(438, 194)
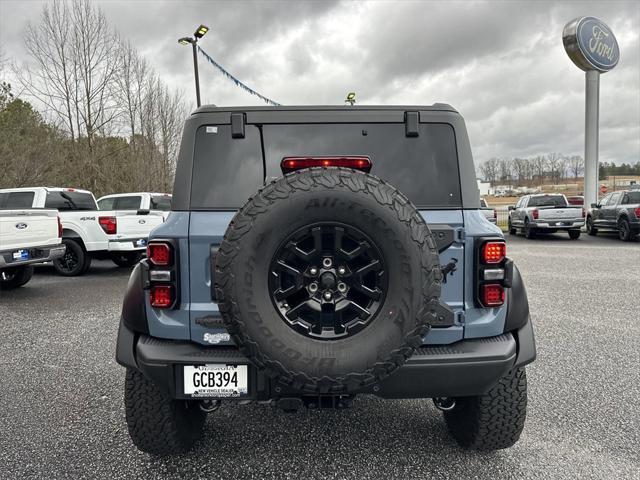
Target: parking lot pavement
(61, 412)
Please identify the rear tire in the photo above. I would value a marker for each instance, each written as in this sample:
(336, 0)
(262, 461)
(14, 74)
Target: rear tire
(75, 260)
(158, 424)
(15, 277)
(574, 234)
(512, 230)
(591, 230)
(494, 420)
(126, 259)
(529, 232)
(624, 230)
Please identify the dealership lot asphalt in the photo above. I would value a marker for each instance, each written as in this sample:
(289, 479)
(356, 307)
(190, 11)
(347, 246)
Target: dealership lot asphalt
(61, 411)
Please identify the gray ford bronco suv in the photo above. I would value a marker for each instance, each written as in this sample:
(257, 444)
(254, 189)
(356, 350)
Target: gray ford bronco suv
(317, 253)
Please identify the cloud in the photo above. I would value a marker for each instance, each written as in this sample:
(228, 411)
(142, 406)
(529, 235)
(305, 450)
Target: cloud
(501, 64)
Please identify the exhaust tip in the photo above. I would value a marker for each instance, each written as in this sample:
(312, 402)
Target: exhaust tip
(444, 404)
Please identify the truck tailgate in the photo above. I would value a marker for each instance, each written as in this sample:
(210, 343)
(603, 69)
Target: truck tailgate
(131, 225)
(28, 228)
(563, 213)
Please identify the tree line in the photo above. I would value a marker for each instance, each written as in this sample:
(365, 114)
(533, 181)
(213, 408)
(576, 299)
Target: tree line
(104, 119)
(539, 169)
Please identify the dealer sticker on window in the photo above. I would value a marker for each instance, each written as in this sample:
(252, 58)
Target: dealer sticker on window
(216, 380)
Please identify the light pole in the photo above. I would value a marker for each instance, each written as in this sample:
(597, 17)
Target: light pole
(199, 33)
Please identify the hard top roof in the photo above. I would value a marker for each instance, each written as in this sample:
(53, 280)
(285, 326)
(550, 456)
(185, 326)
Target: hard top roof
(438, 107)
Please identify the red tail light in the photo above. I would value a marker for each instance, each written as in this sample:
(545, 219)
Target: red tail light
(495, 214)
(161, 296)
(493, 252)
(584, 213)
(59, 227)
(159, 254)
(492, 295)
(290, 164)
(535, 213)
(108, 224)
(637, 212)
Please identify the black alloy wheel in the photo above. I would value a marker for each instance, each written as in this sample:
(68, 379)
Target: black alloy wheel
(328, 281)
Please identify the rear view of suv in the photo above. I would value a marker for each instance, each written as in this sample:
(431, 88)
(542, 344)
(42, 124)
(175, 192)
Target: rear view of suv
(361, 263)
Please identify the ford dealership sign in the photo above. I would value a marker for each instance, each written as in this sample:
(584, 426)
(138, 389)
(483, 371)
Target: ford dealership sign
(591, 45)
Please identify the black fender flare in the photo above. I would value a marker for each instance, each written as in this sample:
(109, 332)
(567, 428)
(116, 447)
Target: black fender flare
(134, 313)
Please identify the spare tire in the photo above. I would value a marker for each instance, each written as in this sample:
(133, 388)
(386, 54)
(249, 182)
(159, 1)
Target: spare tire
(327, 279)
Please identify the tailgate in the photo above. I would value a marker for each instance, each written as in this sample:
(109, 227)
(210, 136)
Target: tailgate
(132, 225)
(563, 213)
(28, 228)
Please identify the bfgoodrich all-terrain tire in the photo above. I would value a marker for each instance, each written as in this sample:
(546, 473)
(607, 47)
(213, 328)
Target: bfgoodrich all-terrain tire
(494, 420)
(157, 423)
(15, 277)
(328, 278)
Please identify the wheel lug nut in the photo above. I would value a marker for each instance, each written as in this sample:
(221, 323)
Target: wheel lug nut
(342, 287)
(342, 270)
(285, 305)
(313, 271)
(313, 288)
(327, 295)
(326, 263)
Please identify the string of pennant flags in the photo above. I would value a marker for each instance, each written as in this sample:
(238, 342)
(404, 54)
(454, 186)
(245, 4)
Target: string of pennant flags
(235, 80)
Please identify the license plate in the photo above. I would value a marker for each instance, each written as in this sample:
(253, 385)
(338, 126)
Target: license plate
(216, 380)
(566, 223)
(21, 255)
(142, 242)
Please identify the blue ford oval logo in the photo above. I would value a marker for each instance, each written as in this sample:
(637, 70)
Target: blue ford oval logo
(21, 226)
(591, 45)
(598, 44)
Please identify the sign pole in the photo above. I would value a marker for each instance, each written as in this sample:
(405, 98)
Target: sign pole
(592, 114)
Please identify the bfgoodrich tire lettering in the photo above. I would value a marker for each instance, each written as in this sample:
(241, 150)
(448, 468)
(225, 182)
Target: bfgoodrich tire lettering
(494, 420)
(345, 197)
(158, 424)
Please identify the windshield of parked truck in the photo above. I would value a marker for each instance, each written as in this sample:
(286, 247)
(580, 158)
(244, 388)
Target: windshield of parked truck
(548, 201)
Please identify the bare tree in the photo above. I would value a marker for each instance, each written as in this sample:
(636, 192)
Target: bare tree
(489, 170)
(539, 165)
(576, 165)
(554, 162)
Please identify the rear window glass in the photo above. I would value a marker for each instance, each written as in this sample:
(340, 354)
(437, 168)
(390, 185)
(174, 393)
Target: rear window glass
(128, 203)
(424, 168)
(106, 203)
(631, 197)
(16, 200)
(547, 201)
(228, 171)
(161, 202)
(70, 201)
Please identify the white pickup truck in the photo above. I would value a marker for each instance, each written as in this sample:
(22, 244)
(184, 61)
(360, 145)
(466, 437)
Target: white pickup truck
(545, 213)
(156, 203)
(26, 237)
(90, 233)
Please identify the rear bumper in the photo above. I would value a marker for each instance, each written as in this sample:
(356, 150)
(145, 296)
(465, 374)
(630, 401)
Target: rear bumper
(468, 367)
(36, 254)
(128, 244)
(558, 225)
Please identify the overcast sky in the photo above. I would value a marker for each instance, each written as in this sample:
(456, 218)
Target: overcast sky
(500, 63)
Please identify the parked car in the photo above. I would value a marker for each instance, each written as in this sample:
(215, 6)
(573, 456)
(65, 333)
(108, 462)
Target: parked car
(545, 213)
(88, 233)
(328, 282)
(619, 211)
(577, 200)
(489, 213)
(27, 237)
(141, 203)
